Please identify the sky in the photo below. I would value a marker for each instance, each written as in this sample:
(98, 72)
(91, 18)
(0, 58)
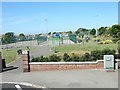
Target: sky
(44, 17)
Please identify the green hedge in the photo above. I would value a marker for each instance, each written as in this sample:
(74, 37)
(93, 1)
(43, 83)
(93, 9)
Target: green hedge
(93, 56)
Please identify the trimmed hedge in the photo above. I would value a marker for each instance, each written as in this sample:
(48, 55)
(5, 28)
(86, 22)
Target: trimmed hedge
(93, 56)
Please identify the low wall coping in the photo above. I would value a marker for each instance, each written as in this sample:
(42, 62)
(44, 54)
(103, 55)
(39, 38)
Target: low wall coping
(65, 62)
(118, 60)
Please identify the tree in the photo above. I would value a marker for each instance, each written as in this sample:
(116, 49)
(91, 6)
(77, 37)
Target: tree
(93, 31)
(114, 30)
(21, 37)
(69, 32)
(9, 37)
(49, 33)
(81, 31)
(118, 34)
(102, 30)
(54, 33)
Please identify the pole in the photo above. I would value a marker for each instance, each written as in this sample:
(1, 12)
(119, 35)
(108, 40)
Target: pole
(46, 28)
(96, 25)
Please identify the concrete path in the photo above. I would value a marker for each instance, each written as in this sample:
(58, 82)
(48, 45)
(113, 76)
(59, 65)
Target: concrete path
(41, 50)
(15, 66)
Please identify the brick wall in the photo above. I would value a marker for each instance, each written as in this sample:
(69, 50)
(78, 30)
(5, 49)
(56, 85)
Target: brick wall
(35, 66)
(26, 60)
(40, 66)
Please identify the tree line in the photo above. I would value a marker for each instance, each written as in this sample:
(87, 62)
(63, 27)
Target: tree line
(113, 31)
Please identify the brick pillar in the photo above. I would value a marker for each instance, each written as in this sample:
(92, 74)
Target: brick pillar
(0, 63)
(26, 61)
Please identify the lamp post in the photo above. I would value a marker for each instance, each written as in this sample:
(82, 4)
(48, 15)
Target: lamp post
(46, 28)
(46, 25)
(96, 25)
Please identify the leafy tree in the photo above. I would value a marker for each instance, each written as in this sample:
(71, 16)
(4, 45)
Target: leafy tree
(21, 37)
(114, 30)
(93, 31)
(49, 33)
(69, 32)
(81, 31)
(54, 33)
(9, 37)
(102, 30)
(118, 34)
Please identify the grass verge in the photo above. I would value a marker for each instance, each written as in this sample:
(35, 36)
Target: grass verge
(11, 55)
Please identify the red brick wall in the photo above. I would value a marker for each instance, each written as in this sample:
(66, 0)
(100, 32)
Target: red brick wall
(25, 58)
(41, 67)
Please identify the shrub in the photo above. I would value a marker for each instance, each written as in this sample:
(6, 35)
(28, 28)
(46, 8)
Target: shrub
(118, 49)
(107, 42)
(35, 59)
(75, 58)
(95, 55)
(40, 59)
(43, 59)
(54, 58)
(108, 51)
(82, 59)
(79, 40)
(98, 54)
(115, 40)
(85, 57)
(66, 57)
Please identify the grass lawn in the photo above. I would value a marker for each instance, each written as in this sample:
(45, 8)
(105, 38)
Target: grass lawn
(81, 49)
(11, 55)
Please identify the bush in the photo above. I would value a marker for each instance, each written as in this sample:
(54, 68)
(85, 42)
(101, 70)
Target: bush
(43, 59)
(96, 55)
(118, 42)
(35, 59)
(79, 40)
(115, 40)
(108, 52)
(93, 56)
(66, 57)
(75, 58)
(40, 59)
(86, 57)
(107, 42)
(54, 58)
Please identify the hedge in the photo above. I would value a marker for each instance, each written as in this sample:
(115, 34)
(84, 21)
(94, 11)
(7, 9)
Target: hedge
(93, 56)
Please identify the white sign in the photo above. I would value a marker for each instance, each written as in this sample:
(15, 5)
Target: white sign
(109, 62)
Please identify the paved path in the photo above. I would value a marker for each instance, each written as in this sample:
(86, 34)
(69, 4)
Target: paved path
(41, 50)
(15, 66)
